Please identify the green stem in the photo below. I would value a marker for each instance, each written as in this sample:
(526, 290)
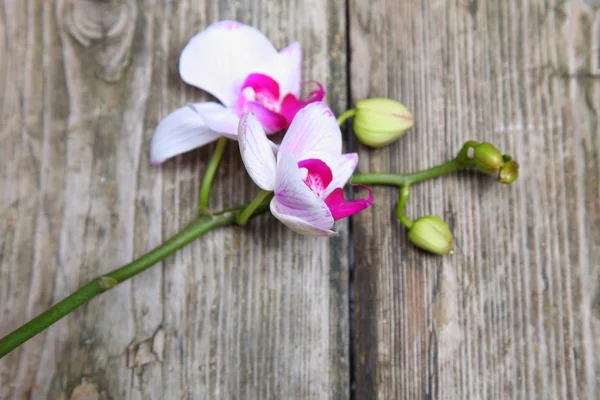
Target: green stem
(105, 282)
(348, 114)
(407, 179)
(209, 175)
(242, 218)
(404, 194)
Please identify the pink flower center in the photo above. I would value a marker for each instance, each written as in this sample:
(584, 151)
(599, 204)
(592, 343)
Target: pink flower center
(260, 89)
(261, 95)
(316, 174)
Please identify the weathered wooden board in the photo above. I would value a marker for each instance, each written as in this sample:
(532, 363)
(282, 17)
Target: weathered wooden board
(262, 312)
(515, 313)
(244, 313)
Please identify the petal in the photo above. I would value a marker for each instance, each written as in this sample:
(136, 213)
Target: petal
(290, 104)
(294, 201)
(314, 133)
(270, 120)
(342, 208)
(285, 68)
(224, 121)
(256, 152)
(296, 224)
(181, 131)
(342, 169)
(219, 58)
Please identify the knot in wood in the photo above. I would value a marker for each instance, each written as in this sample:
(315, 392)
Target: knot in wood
(97, 20)
(107, 28)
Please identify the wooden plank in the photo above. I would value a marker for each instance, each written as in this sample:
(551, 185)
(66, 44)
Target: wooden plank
(244, 313)
(515, 312)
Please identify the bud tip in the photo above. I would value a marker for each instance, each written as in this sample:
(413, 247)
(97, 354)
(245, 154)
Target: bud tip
(509, 172)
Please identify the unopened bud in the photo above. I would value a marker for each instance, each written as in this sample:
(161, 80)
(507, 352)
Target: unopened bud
(378, 122)
(509, 172)
(431, 233)
(487, 158)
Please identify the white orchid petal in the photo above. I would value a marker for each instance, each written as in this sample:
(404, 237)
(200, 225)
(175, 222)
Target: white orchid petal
(181, 131)
(224, 121)
(218, 59)
(257, 153)
(314, 133)
(296, 224)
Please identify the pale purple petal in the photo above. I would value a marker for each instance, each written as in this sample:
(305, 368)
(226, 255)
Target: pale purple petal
(181, 131)
(342, 169)
(219, 58)
(285, 68)
(293, 198)
(314, 133)
(256, 152)
(296, 224)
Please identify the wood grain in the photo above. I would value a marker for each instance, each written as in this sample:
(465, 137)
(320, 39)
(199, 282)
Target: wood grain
(261, 312)
(243, 313)
(514, 313)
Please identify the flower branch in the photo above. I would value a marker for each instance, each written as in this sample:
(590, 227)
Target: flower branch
(302, 179)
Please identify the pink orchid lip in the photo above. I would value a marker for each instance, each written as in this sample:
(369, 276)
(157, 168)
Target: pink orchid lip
(260, 95)
(265, 90)
(342, 208)
(271, 121)
(318, 175)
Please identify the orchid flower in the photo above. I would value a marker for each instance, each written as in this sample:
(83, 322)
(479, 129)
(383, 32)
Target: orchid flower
(307, 175)
(239, 66)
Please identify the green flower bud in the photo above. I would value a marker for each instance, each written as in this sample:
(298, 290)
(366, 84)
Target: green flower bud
(378, 122)
(488, 158)
(431, 233)
(509, 172)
